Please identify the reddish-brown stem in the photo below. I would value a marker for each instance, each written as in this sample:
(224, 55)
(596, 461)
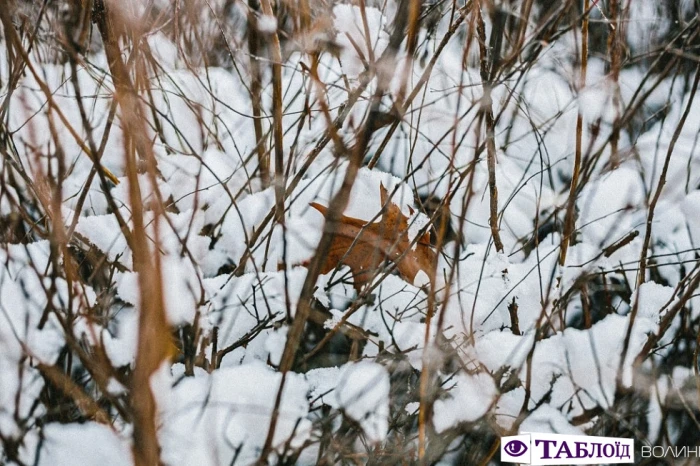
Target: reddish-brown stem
(255, 97)
(153, 335)
(569, 222)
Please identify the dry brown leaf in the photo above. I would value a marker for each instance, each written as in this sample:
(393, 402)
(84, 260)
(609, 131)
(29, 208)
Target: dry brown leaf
(364, 246)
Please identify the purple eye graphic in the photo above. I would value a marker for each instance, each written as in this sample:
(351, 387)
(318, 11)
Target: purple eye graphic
(515, 448)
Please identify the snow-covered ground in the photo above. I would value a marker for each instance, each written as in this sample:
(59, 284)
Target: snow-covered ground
(596, 349)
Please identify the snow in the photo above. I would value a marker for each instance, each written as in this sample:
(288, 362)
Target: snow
(267, 24)
(417, 224)
(232, 408)
(421, 279)
(546, 419)
(690, 207)
(182, 289)
(238, 305)
(468, 400)
(652, 298)
(103, 232)
(603, 220)
(363, 395)
(351, 35)
(322, 383)
(89, 443)
(233, 275)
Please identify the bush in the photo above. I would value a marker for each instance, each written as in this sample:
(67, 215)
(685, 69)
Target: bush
(339, 233)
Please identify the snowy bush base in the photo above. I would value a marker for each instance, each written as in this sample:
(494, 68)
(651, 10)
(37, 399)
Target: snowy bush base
(232, 278)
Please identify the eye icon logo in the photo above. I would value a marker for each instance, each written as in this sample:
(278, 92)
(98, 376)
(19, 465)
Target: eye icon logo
(515, 448)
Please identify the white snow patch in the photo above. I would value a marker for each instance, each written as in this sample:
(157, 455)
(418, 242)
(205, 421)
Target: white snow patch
(469, 399)
(363, 394)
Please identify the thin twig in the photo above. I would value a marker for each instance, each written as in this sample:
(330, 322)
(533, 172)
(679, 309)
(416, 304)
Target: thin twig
(490, 122)
(569, 219)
